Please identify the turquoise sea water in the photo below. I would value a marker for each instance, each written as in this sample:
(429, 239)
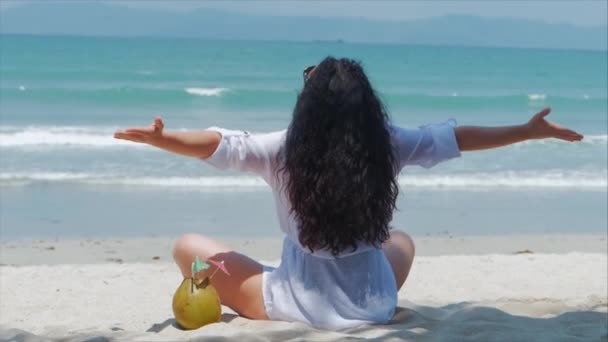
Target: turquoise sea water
(63, 174)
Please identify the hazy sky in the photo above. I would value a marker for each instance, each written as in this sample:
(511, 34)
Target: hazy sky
(578, 12)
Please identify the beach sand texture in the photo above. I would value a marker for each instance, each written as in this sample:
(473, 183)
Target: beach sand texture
(528, 294)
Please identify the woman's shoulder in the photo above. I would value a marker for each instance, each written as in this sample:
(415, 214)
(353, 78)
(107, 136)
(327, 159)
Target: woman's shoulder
(272, 141)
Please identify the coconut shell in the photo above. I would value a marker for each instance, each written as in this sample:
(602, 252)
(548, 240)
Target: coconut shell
(196, 304)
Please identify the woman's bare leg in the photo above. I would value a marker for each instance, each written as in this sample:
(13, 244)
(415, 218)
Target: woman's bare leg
(399, 250)
(242, 290)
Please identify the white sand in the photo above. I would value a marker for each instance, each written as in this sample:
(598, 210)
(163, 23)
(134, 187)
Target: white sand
(506, 297)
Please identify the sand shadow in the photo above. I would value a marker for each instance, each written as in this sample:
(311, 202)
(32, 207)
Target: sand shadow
(171, 322)
(467, 321)
(227, 318)
(158, 327)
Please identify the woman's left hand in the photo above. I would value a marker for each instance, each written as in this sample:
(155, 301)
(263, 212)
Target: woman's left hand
(539, 128)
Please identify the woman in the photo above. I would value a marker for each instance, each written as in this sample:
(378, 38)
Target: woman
(333, 173)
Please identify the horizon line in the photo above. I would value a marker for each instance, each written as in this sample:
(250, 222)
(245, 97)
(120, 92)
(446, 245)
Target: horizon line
(308, 41)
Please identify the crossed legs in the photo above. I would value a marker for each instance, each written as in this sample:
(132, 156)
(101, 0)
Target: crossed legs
(242, 290)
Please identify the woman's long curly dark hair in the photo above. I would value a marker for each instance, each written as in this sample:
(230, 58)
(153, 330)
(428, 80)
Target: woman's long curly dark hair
(339, 169)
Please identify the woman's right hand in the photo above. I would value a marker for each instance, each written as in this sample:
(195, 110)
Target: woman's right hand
(145, 135)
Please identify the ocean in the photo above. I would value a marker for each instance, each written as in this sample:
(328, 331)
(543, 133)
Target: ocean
(63, 175)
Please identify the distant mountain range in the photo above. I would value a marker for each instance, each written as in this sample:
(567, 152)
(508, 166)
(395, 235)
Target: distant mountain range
(74, 18)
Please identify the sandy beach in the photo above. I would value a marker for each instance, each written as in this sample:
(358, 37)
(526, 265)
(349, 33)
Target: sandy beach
(506, 288)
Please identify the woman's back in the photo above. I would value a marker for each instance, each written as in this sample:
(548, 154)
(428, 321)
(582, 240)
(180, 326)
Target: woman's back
(318, 287)
(258, 153)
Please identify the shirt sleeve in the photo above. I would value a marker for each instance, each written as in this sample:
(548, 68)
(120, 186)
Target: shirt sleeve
(244, 151)
(426, 146)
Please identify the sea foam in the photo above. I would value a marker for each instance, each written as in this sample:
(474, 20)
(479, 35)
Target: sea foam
(59, 137)
(555, 179)
(537, 97)
(206, 91)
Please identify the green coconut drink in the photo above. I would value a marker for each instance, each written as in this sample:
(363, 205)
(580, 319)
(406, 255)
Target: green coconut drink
(196, 302)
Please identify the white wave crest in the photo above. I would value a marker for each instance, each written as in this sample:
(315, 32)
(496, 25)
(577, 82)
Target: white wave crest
(60, 136)
(537, 97)
(206, 91)
(598, 139)
(513, 180)
(594, 181)
(97, 179)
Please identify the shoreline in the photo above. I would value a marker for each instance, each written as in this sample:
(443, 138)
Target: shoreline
(158, 249)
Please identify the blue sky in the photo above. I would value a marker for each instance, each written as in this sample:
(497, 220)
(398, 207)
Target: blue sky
(579, 12)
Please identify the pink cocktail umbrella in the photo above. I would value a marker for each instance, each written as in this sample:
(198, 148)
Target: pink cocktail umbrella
(220, 266)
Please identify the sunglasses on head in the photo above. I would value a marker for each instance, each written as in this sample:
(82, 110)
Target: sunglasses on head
(307, 71)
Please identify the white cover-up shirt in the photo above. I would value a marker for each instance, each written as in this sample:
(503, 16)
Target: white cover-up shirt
(326, 291)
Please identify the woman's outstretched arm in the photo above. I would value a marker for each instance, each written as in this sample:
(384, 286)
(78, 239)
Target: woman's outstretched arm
(471, 138)
(199, 144)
